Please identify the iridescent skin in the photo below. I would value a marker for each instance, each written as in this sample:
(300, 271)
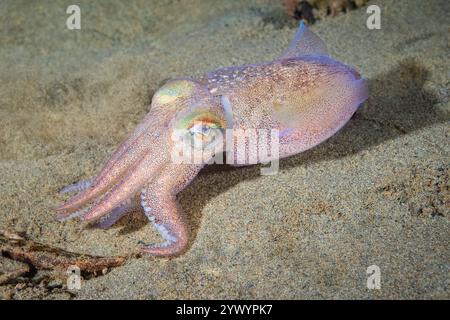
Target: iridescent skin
(304, 94)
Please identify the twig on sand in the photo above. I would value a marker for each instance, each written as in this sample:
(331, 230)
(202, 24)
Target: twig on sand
(12, 275)
(43, 257)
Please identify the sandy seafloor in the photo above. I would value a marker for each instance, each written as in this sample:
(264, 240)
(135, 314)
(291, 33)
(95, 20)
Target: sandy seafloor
(376, 193)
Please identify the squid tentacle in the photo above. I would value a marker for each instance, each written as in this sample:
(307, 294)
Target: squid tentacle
(76, 187)
(165, 215)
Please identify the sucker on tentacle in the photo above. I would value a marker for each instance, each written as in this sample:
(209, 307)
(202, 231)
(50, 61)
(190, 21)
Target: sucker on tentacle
(304, 96)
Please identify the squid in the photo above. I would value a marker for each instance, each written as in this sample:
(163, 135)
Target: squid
(293, 103)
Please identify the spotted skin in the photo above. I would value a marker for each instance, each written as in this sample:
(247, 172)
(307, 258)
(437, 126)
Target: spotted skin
(304, 94)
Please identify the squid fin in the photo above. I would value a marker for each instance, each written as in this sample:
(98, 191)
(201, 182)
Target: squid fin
(305, 42)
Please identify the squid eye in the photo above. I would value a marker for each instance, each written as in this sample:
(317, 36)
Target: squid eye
(200, 129)
(204, 135)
